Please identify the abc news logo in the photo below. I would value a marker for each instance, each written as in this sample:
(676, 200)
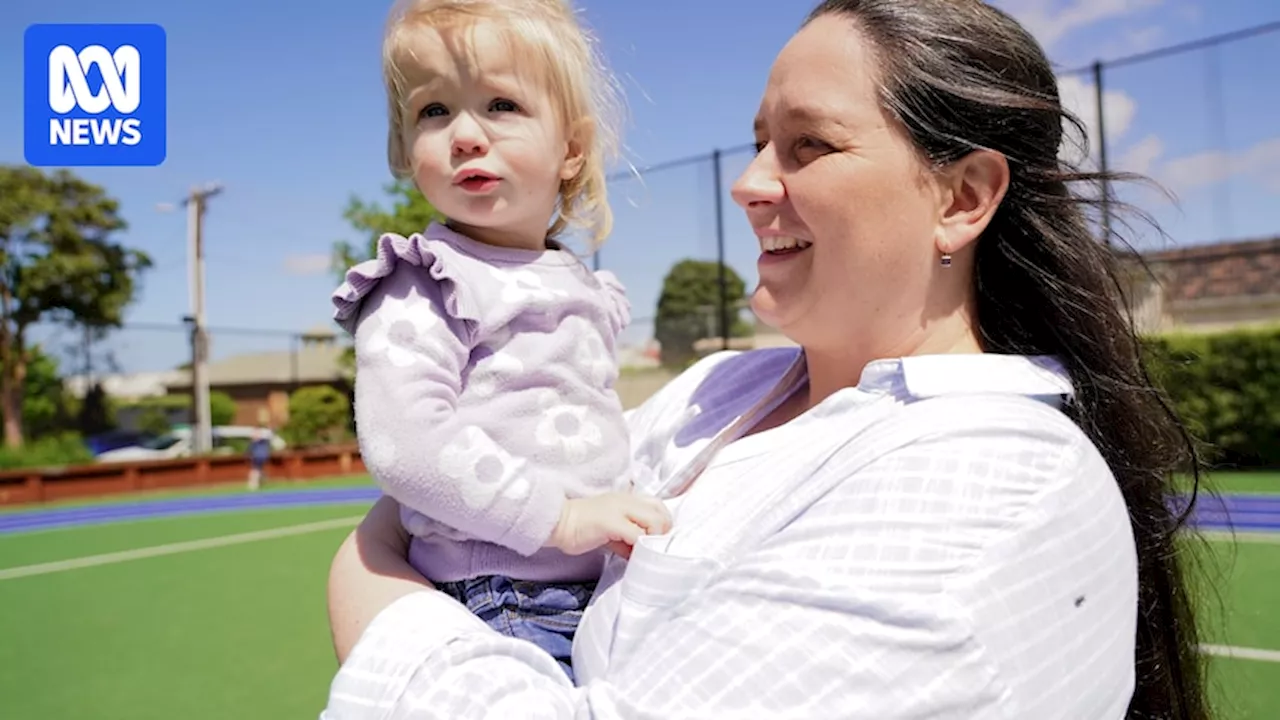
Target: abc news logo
(95, 95)
(69, 89)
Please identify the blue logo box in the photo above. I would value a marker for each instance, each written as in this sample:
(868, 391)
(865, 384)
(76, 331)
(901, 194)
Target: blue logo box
(94, 95)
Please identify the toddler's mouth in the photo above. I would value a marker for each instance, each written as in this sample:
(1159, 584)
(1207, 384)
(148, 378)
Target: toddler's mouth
(476, 181)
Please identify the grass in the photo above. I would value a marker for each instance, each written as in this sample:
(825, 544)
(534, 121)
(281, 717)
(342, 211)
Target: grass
(241, 630)
(1236, 482)
(1238, 606)
(237, 631)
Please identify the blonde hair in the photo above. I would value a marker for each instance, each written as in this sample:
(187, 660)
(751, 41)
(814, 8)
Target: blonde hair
(582, 89)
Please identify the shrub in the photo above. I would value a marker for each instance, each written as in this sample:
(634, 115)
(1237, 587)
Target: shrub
(49, 451)
(1226, 387)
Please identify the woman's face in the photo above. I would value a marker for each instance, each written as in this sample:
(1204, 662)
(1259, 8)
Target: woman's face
(843, 191)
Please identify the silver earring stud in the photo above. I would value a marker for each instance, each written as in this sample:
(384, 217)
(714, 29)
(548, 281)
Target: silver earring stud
(946, 259)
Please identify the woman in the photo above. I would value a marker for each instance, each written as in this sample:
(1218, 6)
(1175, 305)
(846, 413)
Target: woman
(950, 503)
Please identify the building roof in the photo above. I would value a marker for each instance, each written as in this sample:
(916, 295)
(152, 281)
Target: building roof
(318, 363)
(128, 386)
(1248, 268)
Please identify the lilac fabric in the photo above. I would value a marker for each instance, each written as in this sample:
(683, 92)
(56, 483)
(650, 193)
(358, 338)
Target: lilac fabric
(484, 397)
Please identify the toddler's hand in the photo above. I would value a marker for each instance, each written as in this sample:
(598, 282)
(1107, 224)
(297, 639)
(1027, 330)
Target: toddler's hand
(615, 519)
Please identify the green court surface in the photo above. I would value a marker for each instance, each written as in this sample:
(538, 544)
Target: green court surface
(222, 615)
(216, 631)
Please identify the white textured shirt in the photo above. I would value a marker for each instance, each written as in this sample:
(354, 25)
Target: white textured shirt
(940, 541)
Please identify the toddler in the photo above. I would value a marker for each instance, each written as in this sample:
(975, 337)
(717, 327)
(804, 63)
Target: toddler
(485, 365)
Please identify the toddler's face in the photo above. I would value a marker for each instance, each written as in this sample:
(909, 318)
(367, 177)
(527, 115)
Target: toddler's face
(486, 144)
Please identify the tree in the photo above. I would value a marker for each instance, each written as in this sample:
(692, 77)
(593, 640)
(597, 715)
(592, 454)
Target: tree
(57, 262)
(689, 308)
(47, 407)
(222, 408)
(153, 420)
(317, 415)
(410, 213)
(155, 414)
(96, 412)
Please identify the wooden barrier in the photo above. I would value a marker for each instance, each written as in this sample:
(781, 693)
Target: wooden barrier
(39, 485)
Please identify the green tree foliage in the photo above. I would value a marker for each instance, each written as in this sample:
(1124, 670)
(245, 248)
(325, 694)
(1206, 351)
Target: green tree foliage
(1226, 387)
(57, 262)
(153, 419)
(55, 450)
(409, 213)
(222, 409)
(47, 407)
(49, 413)
(154, 413)
(689, 308)
(96, 412)
(318, 415)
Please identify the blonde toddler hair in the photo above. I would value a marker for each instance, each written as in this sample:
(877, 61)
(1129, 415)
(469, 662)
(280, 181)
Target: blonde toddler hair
(581, 88)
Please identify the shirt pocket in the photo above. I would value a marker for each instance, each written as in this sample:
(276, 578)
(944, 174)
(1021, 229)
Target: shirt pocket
(655, 582)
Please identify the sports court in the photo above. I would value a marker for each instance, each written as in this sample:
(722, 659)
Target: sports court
(211, 604)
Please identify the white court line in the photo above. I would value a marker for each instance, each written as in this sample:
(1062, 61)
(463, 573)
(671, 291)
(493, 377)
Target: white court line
(1242, 653)
(174, 548)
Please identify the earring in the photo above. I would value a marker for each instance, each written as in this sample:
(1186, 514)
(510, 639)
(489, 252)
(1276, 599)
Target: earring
(946, 259)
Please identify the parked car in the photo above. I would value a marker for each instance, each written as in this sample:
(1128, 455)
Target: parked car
(115, 439)
(227, 440)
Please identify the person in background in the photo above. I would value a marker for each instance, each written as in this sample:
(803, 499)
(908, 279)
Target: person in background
(259, 455)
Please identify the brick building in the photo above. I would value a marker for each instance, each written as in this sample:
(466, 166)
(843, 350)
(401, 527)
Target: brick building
(260, 383)
(1208, 288)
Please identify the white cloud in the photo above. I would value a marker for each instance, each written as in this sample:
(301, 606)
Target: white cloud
(1081, 98)
(1130, 42)
(1051, 21)
(1193, 172)
(307, 264)
(1190, 173)
(1142, 157)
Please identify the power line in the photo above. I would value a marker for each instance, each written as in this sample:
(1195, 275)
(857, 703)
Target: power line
(679, 162)
(172, 327)
(1180, 48)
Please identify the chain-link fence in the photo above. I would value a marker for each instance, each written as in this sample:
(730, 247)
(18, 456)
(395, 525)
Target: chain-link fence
(1198, 119)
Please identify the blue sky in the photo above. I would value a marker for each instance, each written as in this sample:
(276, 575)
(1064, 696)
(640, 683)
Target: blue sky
(282, 103)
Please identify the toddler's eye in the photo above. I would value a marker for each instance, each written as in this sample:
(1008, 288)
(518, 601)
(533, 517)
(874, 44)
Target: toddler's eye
(501, 105)
(433, 110)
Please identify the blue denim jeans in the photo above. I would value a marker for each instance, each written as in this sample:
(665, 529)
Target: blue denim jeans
(546, 614)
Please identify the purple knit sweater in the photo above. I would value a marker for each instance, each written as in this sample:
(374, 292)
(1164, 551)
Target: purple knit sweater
(484, 397)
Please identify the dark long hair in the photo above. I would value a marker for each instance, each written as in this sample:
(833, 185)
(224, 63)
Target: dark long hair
(958, 76)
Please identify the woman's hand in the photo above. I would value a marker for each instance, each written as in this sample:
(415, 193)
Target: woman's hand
(369, 572)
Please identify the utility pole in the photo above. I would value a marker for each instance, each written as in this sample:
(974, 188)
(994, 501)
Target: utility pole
(202, 432)
(721, 279)
(1100, 99)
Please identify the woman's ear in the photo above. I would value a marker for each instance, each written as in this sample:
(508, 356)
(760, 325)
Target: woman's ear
(581, 136)
(973, 188)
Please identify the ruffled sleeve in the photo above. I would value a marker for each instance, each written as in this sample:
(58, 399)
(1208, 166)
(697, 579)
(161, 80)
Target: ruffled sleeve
(438, 259)
(414, 333)
(619, 306)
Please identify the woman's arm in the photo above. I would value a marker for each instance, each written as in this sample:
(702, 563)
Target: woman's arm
(369, 572)
(984, 573)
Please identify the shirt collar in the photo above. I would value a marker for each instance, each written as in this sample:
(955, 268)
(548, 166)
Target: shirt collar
(927, 376)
